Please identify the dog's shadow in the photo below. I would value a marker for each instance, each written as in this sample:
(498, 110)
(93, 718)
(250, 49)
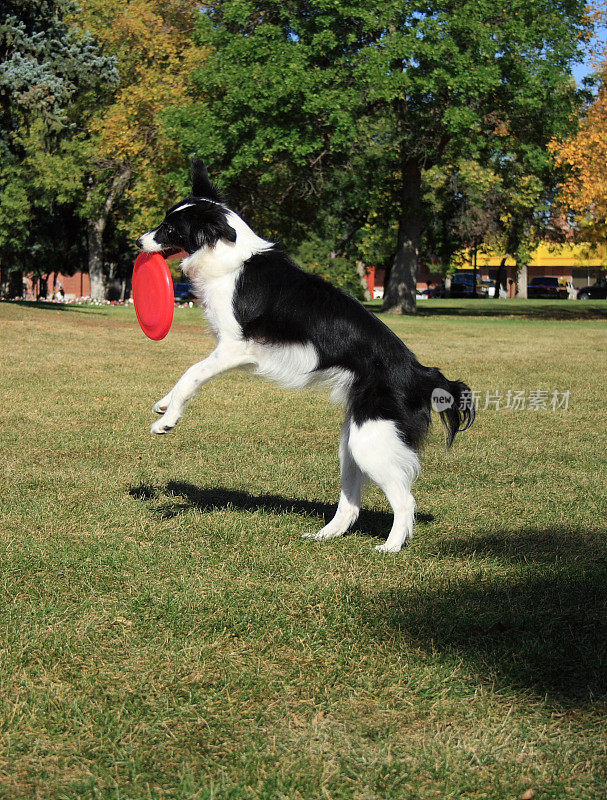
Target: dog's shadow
(187, 497)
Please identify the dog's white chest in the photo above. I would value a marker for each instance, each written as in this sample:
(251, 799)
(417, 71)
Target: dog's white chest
(217, 295)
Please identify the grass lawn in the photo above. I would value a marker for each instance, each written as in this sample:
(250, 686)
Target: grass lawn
(165, 632)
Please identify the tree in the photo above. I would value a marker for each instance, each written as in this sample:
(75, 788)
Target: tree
(295, 93)
(40, 231)
(584, 156)
(44, 67)
(47, 70)
(132, 165)
(465, 205)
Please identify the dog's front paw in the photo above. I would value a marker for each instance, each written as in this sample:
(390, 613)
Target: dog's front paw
(162, 426)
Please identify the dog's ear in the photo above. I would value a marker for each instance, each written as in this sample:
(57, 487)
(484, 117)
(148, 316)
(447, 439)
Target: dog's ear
(201, 183)
(213, 230)
(226, 231)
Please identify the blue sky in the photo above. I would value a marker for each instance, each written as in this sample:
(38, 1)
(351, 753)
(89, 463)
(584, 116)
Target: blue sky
(582, 70)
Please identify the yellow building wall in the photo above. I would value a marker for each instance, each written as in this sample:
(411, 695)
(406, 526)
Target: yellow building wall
(575, 262)
(550, 255)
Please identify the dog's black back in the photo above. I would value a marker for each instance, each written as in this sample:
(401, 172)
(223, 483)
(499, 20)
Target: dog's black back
(276, 302)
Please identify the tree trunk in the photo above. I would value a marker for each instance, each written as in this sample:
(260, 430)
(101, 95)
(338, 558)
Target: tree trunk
(521, 281)
(96, 228)
(3, 281)
(362, 274)
(15, 283)
(474, 271)
(400, 289)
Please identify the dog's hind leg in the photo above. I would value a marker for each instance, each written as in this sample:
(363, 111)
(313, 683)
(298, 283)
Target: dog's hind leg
(222, 359)
(348, 508)
(382, 455)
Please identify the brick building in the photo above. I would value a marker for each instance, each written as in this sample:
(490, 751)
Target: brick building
(73, 286)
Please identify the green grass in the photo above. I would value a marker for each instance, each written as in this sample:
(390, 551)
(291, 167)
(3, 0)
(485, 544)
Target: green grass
(165, 632)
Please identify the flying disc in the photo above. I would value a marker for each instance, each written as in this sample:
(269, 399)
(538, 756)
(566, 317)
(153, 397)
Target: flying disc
(153, 295)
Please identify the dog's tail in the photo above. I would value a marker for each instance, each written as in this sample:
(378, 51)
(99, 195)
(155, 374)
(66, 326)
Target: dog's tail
(454, 402)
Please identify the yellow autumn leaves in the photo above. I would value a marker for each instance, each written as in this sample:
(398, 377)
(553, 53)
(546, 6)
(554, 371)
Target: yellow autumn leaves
(584, 192)
(153, 43)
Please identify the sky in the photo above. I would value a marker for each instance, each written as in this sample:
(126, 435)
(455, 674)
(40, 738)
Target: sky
(582, 70)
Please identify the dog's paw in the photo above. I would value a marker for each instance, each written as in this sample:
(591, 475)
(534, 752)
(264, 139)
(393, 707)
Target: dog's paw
(161, 406)
(323, 534)
(161, 426)
(312, 535)
(383, 548)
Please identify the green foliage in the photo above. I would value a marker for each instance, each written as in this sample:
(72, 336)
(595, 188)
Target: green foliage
(45, 66)
(275, 116)
(49, 73)
(14, 212)
(339, 269)
(310, 109)
(464, 200)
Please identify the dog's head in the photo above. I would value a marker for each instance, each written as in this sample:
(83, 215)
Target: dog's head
(198, 221)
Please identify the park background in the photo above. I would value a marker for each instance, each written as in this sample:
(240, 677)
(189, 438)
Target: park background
(165, 630)
(407, 138)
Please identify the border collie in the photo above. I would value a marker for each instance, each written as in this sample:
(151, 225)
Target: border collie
(271, 317)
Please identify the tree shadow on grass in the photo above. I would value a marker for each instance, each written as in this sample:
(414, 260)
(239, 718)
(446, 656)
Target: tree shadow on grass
(375, 523)
(54, 306)
(533, 616)
(534, 309)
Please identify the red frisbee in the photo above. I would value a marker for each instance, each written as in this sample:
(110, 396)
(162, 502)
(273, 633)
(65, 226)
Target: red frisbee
(153, 295)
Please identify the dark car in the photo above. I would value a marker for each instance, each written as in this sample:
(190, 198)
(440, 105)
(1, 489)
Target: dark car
(598, 290)
(547, 287)
(434, 291)
(183, 292)
(462, 285)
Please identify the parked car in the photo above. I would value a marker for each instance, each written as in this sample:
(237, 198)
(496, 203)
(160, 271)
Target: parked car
(183, 292)
(547, 287)
(490, 285)
(462, 285)
(433, 291)
(598, 290)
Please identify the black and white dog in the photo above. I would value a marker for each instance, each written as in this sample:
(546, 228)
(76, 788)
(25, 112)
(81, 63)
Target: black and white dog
(296, 329)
